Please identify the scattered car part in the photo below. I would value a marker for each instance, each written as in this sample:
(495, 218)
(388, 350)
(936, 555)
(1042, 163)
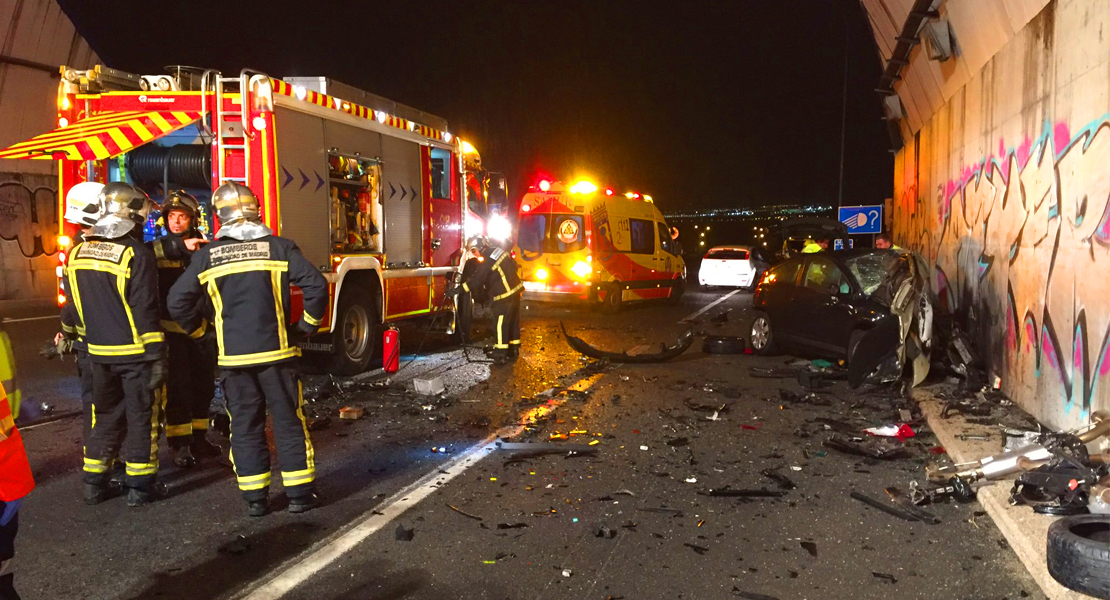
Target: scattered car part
(727, 492)
(1029, 457)
(883, 506)
(723, 344)
(906, 503)
(783, 481)
(1099, 503)
(1060, 487)
(880, 448)
(966, 407)
(957, 488)
(1078, 553)
(665, 352)
(463, 512)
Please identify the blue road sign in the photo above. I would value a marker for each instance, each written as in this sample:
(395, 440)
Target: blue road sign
(862, 219)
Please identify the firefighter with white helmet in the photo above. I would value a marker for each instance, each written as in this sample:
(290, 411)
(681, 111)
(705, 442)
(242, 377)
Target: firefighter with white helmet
(83, 210)
(246, 273)
(464, 302)
(112, 300)
(191, 370)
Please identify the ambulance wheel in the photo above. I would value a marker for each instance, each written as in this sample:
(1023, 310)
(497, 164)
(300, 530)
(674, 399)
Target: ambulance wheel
(612, 303)
(354, 337)
(677, 290)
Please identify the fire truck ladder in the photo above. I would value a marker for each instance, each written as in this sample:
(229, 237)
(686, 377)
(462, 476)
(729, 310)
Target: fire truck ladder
(232, 136)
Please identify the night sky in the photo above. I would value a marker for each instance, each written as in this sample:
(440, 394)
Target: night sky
(700, 104)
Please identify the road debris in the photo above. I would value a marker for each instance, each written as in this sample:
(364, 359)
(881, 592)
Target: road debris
(351, 413)
(665, 352)
(896, 430)
(879, 448)
(884, 576)
(464, 513)
(603, 531)
(783, 481)
(696, 548)
(404, 534)
(727, 492)
(890, 510)
(906, 503)
(432, 386)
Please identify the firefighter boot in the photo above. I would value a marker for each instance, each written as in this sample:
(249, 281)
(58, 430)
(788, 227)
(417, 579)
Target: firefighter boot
(202, 448)
(514, 352)
(95, 493)
(139, 497)
(303, 503)
(183, 457)
(258, 508)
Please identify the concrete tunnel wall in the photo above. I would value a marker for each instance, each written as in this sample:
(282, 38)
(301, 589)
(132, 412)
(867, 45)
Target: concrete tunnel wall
(1006, 191)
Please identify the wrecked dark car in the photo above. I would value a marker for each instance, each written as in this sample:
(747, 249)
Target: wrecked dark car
(871, 308)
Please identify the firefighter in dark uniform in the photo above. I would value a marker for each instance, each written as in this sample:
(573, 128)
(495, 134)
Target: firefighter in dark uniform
(112, 301)
(191, 370)
(246, 273)
(497, 277)
(465, 301)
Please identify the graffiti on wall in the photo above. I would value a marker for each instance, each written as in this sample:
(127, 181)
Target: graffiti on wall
(29, 215)
(1024, 248)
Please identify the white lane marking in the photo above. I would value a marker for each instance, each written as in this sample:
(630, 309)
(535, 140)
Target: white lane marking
(328, 550)
(7, 320)
(710, 305)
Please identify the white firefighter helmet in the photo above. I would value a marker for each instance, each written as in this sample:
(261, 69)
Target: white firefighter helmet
(239, 213)
(83, 203)
(477, 242)
(122, 207)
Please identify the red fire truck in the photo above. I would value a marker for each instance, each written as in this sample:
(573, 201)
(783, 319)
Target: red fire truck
(377, 194)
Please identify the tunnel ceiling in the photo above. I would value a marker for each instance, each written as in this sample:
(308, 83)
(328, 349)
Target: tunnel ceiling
(980, 29)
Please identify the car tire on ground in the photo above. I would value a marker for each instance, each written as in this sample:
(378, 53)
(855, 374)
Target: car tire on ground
(723, 344)
(613, 302)
(354, 337)
(1079, 553)
(761, 336)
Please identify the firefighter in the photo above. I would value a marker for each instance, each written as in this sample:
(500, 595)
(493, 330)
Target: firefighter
(812, 247)
(496, 277)
(15, 483)
(191, 370)
(464, 315)
(112, 299)
(83, 210)
(246, 273)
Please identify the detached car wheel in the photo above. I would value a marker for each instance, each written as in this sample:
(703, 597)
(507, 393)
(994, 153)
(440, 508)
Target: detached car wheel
(723, 344)
(761, 336)
(1079, 553)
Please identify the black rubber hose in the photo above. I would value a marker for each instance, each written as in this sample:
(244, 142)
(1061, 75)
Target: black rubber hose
(189, 165)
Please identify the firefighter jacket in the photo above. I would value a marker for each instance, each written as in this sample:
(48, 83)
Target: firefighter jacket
(112, 300)
(173, 258)
(495, 277)
(69, 313)
(15, 472)
(248, 284)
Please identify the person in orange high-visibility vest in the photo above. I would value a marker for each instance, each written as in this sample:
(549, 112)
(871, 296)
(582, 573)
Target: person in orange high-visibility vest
(15, 483)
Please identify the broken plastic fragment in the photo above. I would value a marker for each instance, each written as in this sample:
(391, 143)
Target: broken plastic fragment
(895, 430)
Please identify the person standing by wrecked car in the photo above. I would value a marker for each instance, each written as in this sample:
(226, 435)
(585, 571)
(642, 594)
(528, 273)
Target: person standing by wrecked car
(246, 274)
(191, 375)
(497, 277)
(883, 242)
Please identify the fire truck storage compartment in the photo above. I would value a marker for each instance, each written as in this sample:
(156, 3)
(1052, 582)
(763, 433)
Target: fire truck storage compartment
(302, 155)
(354, 188)
(404, 213)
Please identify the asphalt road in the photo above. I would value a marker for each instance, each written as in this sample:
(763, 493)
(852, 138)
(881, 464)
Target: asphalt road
(530, 522)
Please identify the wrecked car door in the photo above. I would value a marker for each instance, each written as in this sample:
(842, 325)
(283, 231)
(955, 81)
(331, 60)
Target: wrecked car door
(775, 294)
(823, 307)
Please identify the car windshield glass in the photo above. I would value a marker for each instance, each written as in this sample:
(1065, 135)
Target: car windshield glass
(871, 269)
(728, 254)
(551, 233)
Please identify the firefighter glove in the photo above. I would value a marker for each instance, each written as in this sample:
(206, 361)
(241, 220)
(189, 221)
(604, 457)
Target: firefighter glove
(158, 370)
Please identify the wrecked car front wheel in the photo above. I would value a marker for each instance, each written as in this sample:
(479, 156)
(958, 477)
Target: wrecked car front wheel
(761, 338)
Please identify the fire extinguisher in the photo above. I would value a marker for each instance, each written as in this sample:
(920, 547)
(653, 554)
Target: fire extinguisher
(391, 349)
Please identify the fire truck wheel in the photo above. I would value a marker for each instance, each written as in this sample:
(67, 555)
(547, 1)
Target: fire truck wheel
(612, 302)
(355, 329)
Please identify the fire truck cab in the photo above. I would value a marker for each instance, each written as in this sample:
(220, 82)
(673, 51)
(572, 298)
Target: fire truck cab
(372, 191)
(579, 242)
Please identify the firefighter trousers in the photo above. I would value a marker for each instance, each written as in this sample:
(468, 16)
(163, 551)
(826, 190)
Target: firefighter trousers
(124, 423)
(506, 319)
(84, 374)
(464, 317)
(190, 386)
(250, 391)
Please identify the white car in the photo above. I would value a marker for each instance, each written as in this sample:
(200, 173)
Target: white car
(732, 266)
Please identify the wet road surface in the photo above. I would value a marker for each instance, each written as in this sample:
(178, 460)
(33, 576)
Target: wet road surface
(526, 526)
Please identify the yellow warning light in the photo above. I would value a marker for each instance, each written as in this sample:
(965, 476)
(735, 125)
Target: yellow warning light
(583, 187)
(541, 274)
(582, 269)
(64, 241)
(468, 148)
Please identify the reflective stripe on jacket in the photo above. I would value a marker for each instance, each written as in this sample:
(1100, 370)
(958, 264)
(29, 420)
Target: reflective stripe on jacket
(113, 290)
(496, 276)
(248, 284)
